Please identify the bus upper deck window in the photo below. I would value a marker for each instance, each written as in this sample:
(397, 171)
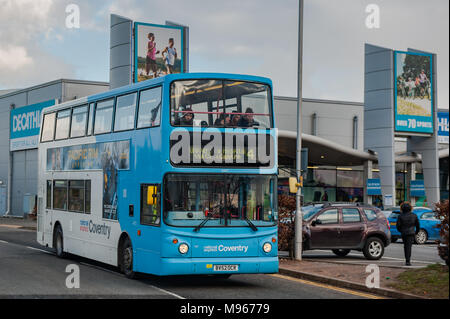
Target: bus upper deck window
(79, 118)
(62, 124)
(149, 108)
(103, 116)
(48, 127)
(125, 109)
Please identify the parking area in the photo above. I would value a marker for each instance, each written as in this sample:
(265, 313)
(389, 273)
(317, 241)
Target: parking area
(422, 256)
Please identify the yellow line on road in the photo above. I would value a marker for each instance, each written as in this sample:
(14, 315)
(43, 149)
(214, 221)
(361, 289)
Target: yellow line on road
(344, 290)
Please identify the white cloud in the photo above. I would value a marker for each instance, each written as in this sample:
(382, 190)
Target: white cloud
(13, 58)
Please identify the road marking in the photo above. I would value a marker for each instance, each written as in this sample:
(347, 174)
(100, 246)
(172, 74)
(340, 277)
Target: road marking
(119, 274)
(101, 268)
(168, 292)
(41, 250)
(2, 241)
(344, 290)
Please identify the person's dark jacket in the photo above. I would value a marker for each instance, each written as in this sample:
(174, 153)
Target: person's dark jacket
(406, 223)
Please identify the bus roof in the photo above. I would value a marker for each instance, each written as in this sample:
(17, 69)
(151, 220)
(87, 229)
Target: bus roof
(152, 82)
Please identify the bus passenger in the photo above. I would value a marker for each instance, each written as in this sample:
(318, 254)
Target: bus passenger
(235, 118)
(187, 119)
(247, 120)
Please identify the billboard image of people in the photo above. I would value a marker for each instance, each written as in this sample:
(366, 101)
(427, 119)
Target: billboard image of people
(413, 92)
(158, 51)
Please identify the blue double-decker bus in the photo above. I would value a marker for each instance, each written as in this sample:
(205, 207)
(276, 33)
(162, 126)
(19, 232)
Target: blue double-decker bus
(170, 176)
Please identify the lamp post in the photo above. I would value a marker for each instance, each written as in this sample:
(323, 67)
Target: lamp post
(298, 216)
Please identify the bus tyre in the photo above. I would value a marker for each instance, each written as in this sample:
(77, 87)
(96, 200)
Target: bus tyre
(127, 259)
(373, 249)
(58, 242)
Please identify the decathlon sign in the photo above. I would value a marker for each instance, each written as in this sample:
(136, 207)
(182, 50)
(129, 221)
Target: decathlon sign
(25, 125)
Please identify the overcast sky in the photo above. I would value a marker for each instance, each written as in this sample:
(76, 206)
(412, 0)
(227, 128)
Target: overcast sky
(251, 37)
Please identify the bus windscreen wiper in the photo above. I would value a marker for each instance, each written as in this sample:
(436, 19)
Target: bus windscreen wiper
(252, 226)
(197, 228)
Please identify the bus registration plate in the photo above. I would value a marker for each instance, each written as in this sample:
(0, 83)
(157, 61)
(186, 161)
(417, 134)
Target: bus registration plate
(226, 267)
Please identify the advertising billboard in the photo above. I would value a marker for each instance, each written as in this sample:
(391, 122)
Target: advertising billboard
(25, 125)
(158, 50)
(413, 92)
(442, 127)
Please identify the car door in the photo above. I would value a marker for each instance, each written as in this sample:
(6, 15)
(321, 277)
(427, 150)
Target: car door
(428, 221)
(325, 230)
(352, 227)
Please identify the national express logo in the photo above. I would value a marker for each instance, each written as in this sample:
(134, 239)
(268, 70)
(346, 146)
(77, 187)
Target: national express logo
(212, 147)
(91, 227)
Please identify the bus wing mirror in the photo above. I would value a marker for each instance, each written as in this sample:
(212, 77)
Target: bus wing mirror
(151, 195)
(294, 184)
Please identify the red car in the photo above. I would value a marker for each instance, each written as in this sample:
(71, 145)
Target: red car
(345, 227)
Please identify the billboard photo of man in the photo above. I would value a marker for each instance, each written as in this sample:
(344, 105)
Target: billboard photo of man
(158, 51)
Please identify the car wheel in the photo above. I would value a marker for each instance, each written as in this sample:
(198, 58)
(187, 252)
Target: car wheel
(127, 259)
(58, 242)
(341, 252)
(421, 237)
(373, 249)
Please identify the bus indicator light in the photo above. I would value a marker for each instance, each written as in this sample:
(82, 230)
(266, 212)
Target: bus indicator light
(139, 233)
(175, 241)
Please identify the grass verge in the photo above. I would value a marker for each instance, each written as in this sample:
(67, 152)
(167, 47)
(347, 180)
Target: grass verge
(430, 282)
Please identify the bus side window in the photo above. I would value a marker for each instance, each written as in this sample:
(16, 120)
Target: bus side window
(90, 119)
(149, 108)
(60, 195)
(49, 195)
(150, 204)
(62, 124)
(103, 116)
(125, 109)
(48, 127)
(79, 118)
(87, 196)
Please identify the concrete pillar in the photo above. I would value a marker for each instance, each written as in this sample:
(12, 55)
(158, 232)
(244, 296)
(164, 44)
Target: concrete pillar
(410, 176)
(379, 115)
(368, 166)
(121, 52)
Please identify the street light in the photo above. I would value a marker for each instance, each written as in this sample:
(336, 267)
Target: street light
(298, 215)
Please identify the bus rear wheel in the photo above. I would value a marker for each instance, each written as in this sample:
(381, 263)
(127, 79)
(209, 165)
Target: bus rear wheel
(58, 242)
(127, 259)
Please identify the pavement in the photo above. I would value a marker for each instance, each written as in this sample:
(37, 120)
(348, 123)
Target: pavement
(18, 222)
(322, 266)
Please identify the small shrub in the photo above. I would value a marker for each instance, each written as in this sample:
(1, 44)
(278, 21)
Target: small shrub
(442, 213)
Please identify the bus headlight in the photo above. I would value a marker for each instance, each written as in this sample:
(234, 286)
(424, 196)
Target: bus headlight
(267, 247)
(183, 248)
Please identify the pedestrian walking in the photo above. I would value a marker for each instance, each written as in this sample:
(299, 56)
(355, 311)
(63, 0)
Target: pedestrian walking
(406, 223)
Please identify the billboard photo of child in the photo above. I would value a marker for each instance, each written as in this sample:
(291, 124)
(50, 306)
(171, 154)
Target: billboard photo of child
(158, 51)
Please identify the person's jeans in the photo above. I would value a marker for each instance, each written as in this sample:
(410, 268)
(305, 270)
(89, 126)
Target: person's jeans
(408, 241)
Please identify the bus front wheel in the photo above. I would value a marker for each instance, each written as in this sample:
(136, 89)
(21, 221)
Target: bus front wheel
(127, 259)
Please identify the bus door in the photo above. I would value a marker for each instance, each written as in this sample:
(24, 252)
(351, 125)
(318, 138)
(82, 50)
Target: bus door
(148, 226)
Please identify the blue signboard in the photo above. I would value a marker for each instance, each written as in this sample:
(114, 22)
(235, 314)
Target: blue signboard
(443, 127)
(413, 92)
(373, 186)
(417, 188)
(25, 125)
